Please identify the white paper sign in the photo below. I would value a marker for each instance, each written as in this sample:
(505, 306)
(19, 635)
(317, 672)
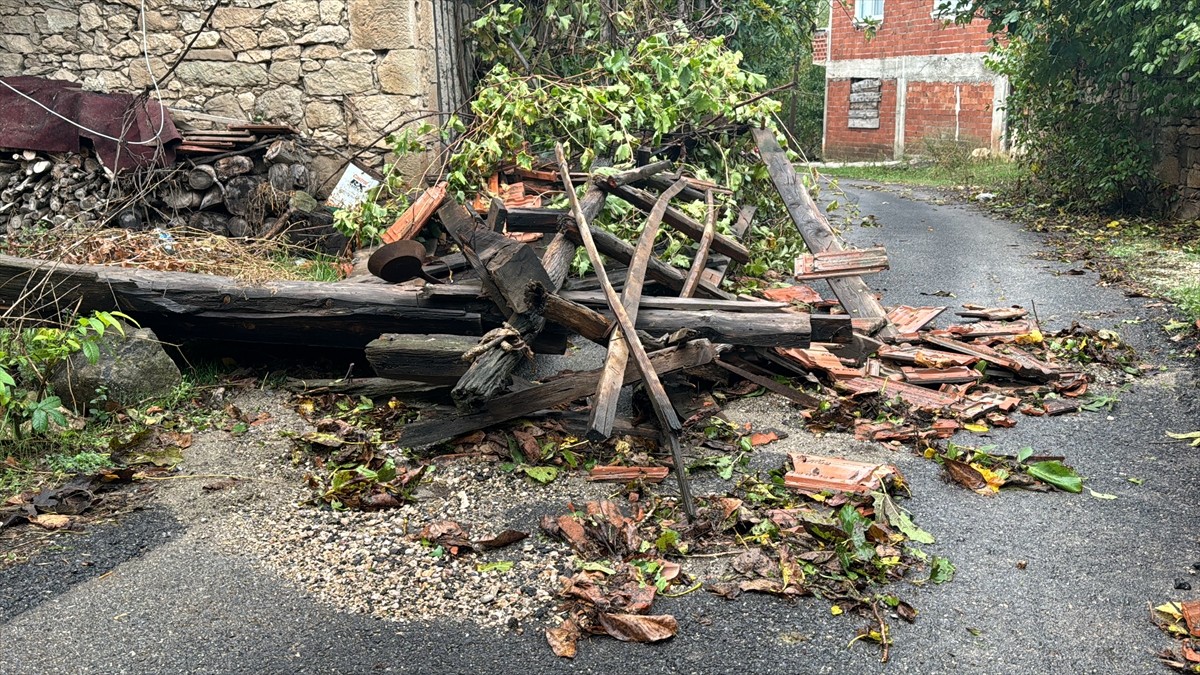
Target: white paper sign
(351, 188)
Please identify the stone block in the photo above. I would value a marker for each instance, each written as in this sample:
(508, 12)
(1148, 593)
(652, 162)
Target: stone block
(285, 72)
(207, 40)
(19, 25)
(273, 36)
(359, 56)
(157, 21)
(381, 24)
(210, 55)
(255, 56)
(295, 13)
(280, 104)
(402, 72)
(226, 105)
(331, 11)
(120, 23)
(324, 35)
(58, 20)
(10, 64)
(290, 53)
(17, 44)
(321, 52)
(240, 39)
(1193, 177)
(374, 114)
(236, 17)
(139, 77)
(57, 44)
(222, 74)
(126, 49)
(163, 44)
(320, 115)
(339, 78)
(132, 367)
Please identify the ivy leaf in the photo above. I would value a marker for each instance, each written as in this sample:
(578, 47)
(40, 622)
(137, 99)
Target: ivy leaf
(1057, 474)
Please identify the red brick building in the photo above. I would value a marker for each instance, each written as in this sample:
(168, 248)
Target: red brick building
(917, 79)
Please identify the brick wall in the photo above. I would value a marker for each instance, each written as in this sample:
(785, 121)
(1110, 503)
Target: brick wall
(844, 143)
(908, 29)
(930, 113)
(820, 46)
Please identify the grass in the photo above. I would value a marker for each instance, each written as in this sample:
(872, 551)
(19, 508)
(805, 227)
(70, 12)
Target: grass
(1164, 268)
(991, 174)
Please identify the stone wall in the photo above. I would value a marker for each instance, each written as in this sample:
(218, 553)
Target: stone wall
(1177, 164)
(340, 71)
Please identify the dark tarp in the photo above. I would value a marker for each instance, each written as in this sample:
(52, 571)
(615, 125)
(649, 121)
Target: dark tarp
(24, 125)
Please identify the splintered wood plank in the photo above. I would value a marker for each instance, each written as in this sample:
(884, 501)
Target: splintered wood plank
(953, 375)
(847, 263)
(908, 320)
(623, 474)
(553, 392)
(701, 258)
(920, 397)
(741, 369)
(596, 299)
(994, 328)
(604, 406)
(416, 215)
(992, 313)
(719, 264)
(855, 296)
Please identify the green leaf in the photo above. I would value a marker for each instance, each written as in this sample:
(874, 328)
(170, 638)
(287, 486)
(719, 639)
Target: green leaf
(91, 351)
(1057, 474)
(941, 570)
(597, 567)
(39, 420)
(541, 474)
(900, 519)
(1100, 495)
(1024, 454)
(1193, 436)
(496, 566)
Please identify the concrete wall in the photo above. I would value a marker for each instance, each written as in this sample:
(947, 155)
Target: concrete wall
(935, 81)
(340, 71)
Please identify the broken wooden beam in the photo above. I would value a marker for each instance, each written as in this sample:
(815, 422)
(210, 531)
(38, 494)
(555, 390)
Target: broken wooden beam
(847, 263)
(596, 299)
(416, 215)
(701, 258)
(553, 392)
(625, 474)
(681, 221)
(718, 265)
(852, 292)
(785, 329)
(741, 369)
(425, 358)
(636, 175)
(604, 405)
(182, 306)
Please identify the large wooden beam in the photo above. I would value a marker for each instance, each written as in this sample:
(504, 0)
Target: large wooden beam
(553, 392)
(852, 292)
(758, 330)
(182, 306)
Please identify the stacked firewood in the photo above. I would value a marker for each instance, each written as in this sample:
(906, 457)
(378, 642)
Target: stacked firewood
(41, 188)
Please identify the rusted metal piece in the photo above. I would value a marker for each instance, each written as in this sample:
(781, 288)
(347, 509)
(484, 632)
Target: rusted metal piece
(848, 263)
(649, 474)
(920, 397)
(993, 313)
(908, 320)
(399, 261)
(953, 375)
(812, 473)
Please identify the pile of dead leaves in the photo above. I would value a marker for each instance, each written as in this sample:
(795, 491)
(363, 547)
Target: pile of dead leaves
(55, 508)
(1180, 620)
(985, 471)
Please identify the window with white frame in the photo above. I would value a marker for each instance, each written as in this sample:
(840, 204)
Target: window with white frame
(868, 10)
(946, 10)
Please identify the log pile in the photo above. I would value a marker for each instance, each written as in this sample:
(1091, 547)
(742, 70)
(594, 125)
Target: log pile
(249, 181)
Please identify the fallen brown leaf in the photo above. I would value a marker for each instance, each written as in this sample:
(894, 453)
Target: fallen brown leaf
(639, 628)
(965, 475)
(50, 521)
(564, 639)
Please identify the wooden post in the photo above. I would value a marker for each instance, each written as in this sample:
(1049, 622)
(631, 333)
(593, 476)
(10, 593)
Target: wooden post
(604, 406)
(701, 259)
(667, 418)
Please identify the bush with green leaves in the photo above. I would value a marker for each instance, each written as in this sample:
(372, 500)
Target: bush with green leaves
(28, 355)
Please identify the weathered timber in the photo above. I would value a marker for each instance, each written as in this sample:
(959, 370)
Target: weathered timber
(553, 392)
(796, 396)
(604, 405)
(182, 306)
(497, 216)
(596, 299)
(701, 259)
(852, 292)
(638, 174)
(618, 249)
(507, 276)
(662, 181)
(718, 265)
(681, 221)
(534, 220)
(667, 419)
(578, 318)
(785, 329)
(424, 358)
(371, 387)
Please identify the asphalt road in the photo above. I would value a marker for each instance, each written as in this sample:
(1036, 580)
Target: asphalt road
(157, 596)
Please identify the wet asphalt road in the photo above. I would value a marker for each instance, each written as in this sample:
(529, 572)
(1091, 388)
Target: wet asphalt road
(172, 604)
